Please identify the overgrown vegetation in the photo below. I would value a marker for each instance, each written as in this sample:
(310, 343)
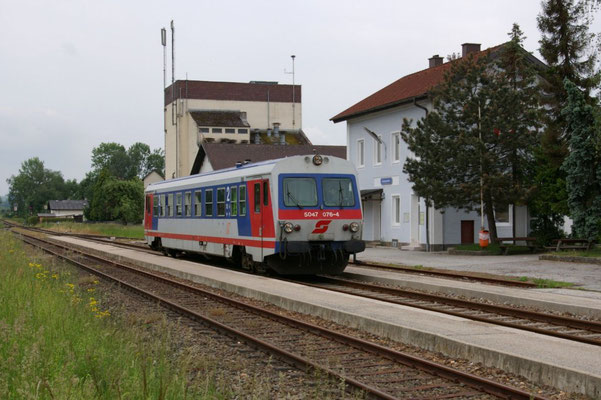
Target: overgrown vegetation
(58, 340)
(108, 229)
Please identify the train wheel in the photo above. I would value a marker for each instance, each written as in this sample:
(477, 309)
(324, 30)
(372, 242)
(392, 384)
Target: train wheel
(247, 262)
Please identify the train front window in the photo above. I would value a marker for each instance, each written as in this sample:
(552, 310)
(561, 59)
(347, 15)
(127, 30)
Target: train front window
(299, 192)
(337, 192)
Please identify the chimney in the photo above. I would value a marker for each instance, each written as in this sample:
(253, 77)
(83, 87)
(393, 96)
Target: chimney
(435, 60)
(282, 138)
(276, 129)
(469, 48)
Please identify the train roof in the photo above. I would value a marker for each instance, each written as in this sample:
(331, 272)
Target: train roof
(251, 169)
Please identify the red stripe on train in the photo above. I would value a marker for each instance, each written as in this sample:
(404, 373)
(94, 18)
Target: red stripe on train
(319, 214)
(213, 239)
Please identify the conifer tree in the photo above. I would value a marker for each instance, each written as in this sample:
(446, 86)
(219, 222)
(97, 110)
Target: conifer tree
(482, 131)
(567, 48)
(583, 164)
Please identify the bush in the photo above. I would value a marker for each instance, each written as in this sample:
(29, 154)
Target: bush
(545, 228)
(32, 220)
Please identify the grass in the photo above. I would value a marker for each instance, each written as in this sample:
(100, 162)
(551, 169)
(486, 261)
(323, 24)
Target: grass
(547, 283)
(493, 248)
(58, 340)
(108, 229)
(594, 252)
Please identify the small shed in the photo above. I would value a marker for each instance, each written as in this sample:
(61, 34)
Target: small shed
(66, 209)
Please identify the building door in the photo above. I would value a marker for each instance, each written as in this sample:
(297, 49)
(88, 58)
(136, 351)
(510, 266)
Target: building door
(377, 220)
(467, 232)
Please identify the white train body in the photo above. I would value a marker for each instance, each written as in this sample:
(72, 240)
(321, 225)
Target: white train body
(296, 215)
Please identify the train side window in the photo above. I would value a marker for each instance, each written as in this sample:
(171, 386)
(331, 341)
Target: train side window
(234, 201)
(197, 203)
(257, 197)
(221, 202)
(155, 211)
(178, 204)
(161, 202)
(266, 193)
(209, 202)
(187, 203)
(170, 204)
(242, 201)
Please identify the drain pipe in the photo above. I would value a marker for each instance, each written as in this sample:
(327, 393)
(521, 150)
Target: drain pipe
(426, 200)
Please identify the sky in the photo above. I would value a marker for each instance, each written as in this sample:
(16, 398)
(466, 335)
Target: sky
(76, 73)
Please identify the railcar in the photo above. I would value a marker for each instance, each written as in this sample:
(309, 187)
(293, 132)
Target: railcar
(295, 215)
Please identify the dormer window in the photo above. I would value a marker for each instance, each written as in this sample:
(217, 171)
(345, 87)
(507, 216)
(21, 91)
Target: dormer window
(216, 130)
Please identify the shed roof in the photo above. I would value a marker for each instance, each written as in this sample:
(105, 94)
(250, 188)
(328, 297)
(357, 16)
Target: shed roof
(225, 155)
(67, 204)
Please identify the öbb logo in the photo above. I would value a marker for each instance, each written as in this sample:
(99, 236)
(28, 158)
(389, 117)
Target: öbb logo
(321, 226)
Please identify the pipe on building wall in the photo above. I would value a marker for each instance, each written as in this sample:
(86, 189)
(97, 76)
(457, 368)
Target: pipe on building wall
(426, 200)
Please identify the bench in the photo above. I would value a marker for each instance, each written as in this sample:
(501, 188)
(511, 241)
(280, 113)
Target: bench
(571, 244)
(530, 243)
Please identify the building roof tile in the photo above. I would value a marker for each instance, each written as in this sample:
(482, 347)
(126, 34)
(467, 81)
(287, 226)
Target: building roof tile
(405, 89)
(225, 155)
(233, 91)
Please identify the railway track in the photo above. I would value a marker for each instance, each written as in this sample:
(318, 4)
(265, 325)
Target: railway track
(543, 323)
(120, 241)
(446, 274)
(378, 371)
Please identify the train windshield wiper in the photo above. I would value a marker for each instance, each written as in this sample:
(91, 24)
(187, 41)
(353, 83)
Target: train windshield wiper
(296, 202)
(340, 195)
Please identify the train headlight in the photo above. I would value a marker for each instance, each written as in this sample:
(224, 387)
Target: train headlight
(354, 226)
(288, 227)
(317, 159)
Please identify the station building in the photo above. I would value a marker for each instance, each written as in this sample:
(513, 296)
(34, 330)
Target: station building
(393, 213)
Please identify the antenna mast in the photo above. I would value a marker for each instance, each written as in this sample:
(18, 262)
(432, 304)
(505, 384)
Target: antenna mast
(293, 93)
(164, 43)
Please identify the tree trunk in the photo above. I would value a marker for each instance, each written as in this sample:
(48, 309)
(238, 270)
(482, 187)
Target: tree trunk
(490, 216)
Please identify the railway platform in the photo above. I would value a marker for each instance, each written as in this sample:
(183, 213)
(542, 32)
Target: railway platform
(582, 275)
(570, 366)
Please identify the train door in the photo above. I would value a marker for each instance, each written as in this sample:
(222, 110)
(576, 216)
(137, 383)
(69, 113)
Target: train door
(262, 213)
(148, 211)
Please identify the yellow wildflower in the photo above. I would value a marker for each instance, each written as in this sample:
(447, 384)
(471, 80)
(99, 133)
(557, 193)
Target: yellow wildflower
(55, 276)
(11, 251)
(70, 285)
(91, 290)
(31, 265)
